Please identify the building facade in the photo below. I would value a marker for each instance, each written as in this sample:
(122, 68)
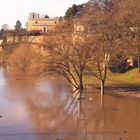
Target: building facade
(42, 24)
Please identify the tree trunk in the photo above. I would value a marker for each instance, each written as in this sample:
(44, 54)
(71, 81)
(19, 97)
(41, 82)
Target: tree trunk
(138, 64)
(102, 87)
(102, 93)
(138, 59)
(81, 83)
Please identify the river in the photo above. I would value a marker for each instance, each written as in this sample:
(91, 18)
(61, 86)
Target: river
(48, 110)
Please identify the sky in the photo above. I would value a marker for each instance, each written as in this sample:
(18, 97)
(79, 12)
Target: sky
(13, 10)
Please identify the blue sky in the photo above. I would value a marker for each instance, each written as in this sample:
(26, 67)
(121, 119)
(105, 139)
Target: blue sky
(13, 10)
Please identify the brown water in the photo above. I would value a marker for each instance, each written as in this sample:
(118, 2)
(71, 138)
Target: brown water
(48, 110)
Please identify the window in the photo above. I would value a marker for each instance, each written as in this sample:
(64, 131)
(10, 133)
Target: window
(78, 28)
(44, 29)
(36, 22)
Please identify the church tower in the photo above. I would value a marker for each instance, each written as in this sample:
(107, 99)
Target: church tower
(33, 16)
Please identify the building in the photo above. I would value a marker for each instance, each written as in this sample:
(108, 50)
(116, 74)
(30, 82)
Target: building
(42, 24)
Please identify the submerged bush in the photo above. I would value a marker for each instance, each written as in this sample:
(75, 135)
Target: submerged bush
(24, 60)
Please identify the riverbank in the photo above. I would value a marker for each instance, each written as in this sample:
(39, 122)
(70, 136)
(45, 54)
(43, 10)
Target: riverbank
(124, 90)
(125, 84)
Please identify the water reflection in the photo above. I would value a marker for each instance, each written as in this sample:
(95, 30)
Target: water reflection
(49, 110)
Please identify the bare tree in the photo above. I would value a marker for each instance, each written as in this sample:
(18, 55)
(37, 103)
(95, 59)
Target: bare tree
(5, 27)
(101, 37)
(102, 47)
(69, 54)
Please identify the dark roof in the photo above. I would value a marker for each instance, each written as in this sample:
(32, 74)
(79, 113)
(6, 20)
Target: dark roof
(46, 16)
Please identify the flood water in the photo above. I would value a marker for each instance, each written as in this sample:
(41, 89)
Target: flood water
(49, 110)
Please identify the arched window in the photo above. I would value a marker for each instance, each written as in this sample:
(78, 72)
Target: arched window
(44, 29)
(33, 16)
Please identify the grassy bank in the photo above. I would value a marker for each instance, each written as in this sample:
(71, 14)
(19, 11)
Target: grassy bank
(129, 78)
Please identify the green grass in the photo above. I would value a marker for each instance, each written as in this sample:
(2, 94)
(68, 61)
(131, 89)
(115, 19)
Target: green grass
(131, 77)
(89, 80)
